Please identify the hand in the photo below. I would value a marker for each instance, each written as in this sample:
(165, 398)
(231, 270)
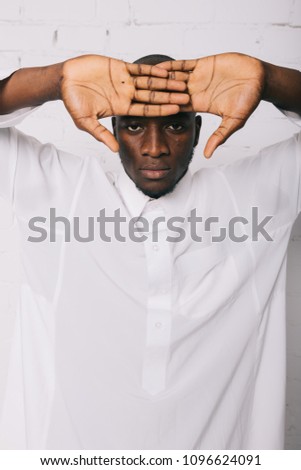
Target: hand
(94, 87)
(228, 85)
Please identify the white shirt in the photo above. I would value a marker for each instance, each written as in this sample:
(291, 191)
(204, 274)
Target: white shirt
(154, 344)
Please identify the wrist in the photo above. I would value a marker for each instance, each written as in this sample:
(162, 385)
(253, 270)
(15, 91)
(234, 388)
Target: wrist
(53, 75)
(270, 72)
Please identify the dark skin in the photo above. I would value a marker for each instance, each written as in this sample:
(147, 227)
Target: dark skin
(156, 152)
(228, 85)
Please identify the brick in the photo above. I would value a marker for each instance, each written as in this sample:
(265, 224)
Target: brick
(132, 42)
(114, 11)
(46, 129)
(34, 59)
(68, 10)
(10, 10)
(257, 11)
(20, 37)
(276, 128)
(9, 61)
(216, 39)
(295, 18)
(281, 45)
(169, 11)
(82, 39)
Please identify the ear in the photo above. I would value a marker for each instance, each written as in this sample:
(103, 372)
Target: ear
(113, 120)
(198, 125)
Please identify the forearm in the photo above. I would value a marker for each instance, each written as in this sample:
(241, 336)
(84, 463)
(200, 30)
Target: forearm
(30, 87)
(282, 87)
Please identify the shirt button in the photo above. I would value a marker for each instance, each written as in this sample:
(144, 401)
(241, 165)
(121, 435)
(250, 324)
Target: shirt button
(155, 248)
(158, 325)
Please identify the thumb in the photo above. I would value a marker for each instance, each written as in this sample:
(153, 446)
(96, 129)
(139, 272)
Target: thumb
(99, 132)
(227, 127)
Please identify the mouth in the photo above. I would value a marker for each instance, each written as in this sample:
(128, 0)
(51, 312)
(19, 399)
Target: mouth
(154, 173)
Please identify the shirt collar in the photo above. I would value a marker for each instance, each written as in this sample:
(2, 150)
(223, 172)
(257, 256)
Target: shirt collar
(173, 203)
(133, 199)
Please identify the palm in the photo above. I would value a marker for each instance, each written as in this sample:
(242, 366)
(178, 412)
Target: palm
(228, 85)
(97, 93)
(95, 87)
(215, 89)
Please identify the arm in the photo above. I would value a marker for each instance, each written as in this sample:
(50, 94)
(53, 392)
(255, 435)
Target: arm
(232, 85)
(282, 87)
(30, 87)
(94, 87)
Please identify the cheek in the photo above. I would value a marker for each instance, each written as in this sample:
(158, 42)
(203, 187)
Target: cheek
(182, 153)
(182, 144)
(126, 151)
(129, 149)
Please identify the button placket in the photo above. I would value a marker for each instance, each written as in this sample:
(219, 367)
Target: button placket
(158, 325)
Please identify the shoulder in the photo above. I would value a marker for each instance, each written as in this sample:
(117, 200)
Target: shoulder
(269, 179)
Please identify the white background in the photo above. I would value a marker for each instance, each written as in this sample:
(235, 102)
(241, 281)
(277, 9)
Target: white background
(38, 32)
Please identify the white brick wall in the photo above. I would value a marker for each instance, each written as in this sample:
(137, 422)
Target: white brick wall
(171, 12)
(37, 32)
(61, 10)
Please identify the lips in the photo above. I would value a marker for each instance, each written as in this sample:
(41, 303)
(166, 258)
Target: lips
(154, 173)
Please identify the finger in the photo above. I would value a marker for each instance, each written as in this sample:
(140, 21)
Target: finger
(184, 76)
(227, 127)
(154, 83)
(142, 69)
(99, 132)
(159, 97)
(179, 65)
(152, 110)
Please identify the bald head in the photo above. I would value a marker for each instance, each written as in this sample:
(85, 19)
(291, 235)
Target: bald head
(153, 59)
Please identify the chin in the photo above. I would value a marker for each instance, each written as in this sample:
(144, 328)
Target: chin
(156, 193)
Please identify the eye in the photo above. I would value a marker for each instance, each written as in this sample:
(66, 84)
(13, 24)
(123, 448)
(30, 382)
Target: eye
(175, 126)
(133, 127)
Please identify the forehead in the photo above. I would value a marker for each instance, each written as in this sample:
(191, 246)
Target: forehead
(187, 118)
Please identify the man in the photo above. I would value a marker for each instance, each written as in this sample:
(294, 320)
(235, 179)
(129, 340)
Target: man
(164, 328)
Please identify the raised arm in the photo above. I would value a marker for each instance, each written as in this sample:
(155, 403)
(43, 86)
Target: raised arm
(232, 85)
(94, 87)
(282, 87)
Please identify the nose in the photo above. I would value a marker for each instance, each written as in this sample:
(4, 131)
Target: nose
(154, 143)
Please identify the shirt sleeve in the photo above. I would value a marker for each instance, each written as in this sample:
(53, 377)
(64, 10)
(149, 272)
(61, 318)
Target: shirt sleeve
(35, 175)
(8, 160)
(270, 180)
(9, 145)
(9, 149)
